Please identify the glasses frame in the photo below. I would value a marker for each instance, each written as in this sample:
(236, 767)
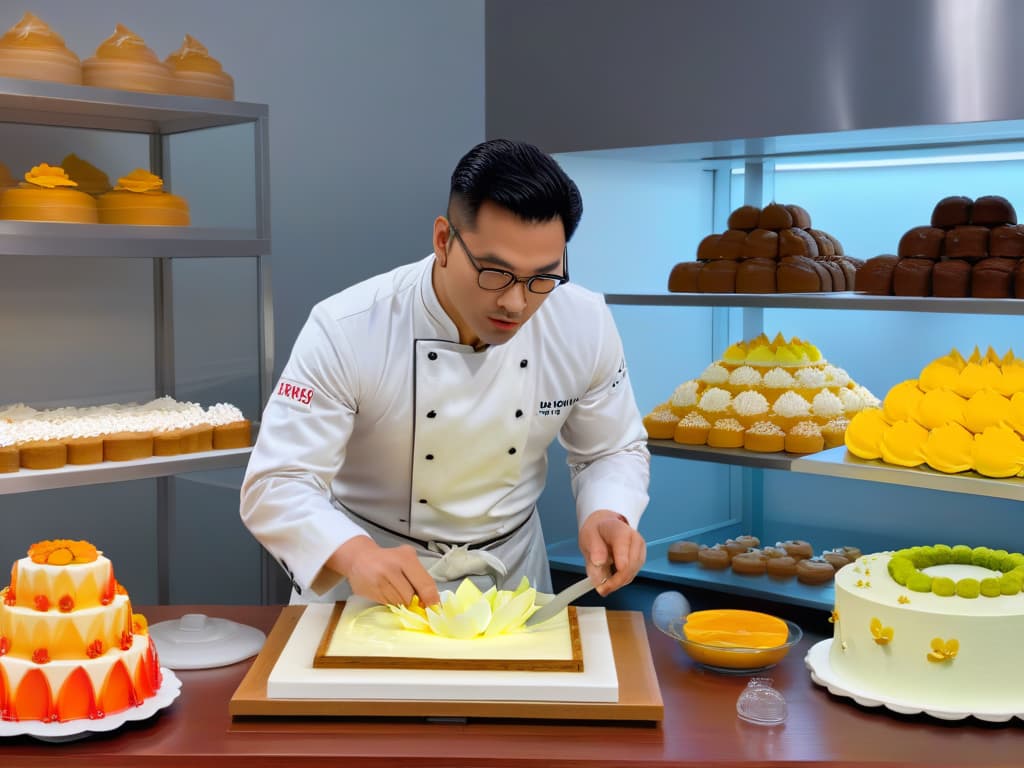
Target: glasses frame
(510, 278)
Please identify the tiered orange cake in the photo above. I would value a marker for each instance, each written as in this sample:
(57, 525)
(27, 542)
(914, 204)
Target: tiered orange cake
(124, 61)
(764, 396)
(47, 194)
(769, 250)
(70, 646)
(30, 49)
(972, 248)
(164, 427)
(958, 415)
(139, 198)
(197, 73)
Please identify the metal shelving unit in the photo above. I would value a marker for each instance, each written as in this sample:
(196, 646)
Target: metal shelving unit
(159, 116)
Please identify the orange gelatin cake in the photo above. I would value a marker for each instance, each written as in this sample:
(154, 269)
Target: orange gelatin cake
(43, 454)
(84, 450)
(196, 73)
(139, 199)
(124, 61)
(31, 50)
(47, 194)
(70, 646)
(237, 434)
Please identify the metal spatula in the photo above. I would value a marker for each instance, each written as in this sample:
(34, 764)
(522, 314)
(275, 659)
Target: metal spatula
(560, 601)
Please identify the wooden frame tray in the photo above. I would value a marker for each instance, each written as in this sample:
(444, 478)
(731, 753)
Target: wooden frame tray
(322, 660)
(639, 695)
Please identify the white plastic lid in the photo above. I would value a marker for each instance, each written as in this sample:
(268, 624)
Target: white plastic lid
(197, 641)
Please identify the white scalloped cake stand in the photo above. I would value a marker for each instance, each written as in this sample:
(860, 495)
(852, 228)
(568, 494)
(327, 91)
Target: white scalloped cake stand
(77, 729)
(822, 673)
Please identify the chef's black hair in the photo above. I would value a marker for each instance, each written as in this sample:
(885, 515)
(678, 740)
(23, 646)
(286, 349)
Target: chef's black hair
(516, 176)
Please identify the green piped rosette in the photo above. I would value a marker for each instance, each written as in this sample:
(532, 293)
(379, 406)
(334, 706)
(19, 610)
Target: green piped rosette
(906, 568)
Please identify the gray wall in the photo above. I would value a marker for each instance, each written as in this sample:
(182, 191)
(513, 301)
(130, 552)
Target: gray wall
(371, 105)
(589, 74)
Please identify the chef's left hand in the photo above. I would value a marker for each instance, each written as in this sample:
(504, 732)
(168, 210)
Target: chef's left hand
(606, 539)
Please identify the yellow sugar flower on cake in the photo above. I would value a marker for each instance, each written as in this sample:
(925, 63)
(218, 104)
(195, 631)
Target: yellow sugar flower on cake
(902, 400)
(949, 448)
(140, 180)
(998, 452)
(943, 650)
(736, 354)
(834, 618)
(62, 552)
(939, 407)
(902, 599)
(882, 635)
(468, 612)
(48, 177)
(139, 624)
(985, 408)
(942, 373)
(864, 433)
(902, 444)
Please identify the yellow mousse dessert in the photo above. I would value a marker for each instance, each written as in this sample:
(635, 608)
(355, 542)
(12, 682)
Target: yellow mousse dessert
(30, 49)
(139, 198)
(124, 61)
(47, 194)
(70, 646)
(764, 395)
(959, 415)
(196, 73)
(89, 178)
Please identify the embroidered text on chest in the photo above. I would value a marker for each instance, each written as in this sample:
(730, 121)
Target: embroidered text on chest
(554, 407)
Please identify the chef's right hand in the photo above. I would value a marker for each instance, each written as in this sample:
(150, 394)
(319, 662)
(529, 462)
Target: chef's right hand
(384, 574)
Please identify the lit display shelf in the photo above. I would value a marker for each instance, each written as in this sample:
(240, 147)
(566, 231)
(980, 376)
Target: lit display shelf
(847, 300)
(735, 456)
(27, 480)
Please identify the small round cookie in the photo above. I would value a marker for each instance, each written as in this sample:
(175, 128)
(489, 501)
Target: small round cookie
(797, 548)
(749, 541)
(835, 558)
(781, 567)
(850, 553)
(714, 558)
(683, 551)
(801, 218)
(749, 563)
(734, 547)
(745, 217)
(775, 217)
(814, 571)
(993, 211)
(952, 211)
(773, 553)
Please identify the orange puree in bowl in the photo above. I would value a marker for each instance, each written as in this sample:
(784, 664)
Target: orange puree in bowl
(735, 638)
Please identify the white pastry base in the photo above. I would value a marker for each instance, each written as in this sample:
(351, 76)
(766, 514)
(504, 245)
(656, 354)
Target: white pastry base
(294, 677)
(77, 729)
(822, 673)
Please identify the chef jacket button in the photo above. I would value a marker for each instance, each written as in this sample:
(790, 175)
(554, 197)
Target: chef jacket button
(432, 355)
(430, 457)
(511, 451)
(519, 413)
(431, 414)
(522, 363)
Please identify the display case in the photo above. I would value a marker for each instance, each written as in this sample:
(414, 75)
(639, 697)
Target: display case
(160, 118)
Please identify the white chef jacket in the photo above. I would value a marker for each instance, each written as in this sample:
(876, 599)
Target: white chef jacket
(382, 422)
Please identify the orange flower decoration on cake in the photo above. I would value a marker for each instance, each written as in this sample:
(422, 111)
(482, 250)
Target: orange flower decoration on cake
(140, 180)
(49, 177)
(139, 624)
(62, 552)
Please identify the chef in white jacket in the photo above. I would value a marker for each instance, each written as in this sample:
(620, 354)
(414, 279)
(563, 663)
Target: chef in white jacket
(405, 445)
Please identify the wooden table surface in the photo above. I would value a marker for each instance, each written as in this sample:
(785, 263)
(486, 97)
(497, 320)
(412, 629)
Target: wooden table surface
(700, 728)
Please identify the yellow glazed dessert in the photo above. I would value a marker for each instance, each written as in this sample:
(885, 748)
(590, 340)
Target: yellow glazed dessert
(124, 61)
(949, 449)
(139, 199)
(89, 178)
(196, 73)
(47, 194)
(31, 50)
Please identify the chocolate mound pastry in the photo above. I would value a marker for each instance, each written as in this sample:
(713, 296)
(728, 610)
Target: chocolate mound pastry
(775, 216)
(729, 245)
(708, 248)
(952, 279)
(745, 217)
(717, 277)
(912, 277)
(874, 276)
(756, 276)
(799, 274)
(1006, 241)
(835, 244)
(801, 218)
(826, 248)
(993, 278)
(836, 273)
(684, 277)
(952, 211)
(760, 244)
(921, 243)
(849, 272)
(1018, 280)
(966, 242)
(797, 242)
(993, 210)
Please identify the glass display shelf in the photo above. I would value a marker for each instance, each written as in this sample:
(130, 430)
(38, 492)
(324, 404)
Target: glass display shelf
(27, 480)
(36, 238)
(833, 300)
(735, 456)
(36, 102)
(565, 555)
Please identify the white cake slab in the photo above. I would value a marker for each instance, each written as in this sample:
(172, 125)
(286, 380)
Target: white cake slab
(294, 676)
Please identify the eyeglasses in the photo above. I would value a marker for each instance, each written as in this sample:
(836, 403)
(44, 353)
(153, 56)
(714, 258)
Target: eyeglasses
(499, 279)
